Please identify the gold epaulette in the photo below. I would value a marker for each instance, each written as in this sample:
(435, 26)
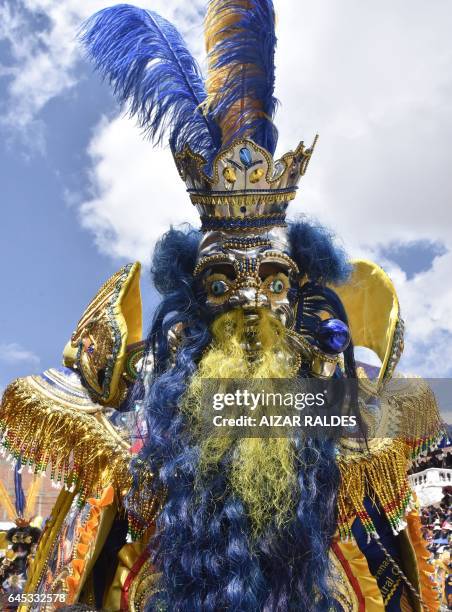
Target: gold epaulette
(58, 422)
(111, 323)
(373, 312)
(50, 422)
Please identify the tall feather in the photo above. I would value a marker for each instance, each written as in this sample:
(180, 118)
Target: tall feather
(240, 44)
(151, 70)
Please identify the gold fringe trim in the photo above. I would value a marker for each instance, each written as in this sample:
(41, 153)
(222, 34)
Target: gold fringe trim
(414, 405)
(246, 199)
(381, 476)
(411, 427)
(82, 450)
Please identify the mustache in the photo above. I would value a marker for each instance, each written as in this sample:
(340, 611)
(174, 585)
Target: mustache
(255, 342)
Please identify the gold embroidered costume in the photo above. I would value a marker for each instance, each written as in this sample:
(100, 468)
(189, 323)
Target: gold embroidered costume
(281, 524)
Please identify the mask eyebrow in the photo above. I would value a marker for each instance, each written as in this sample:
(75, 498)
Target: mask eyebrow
(248, 243)
(214, 261)
(227, 270)
(277, 257)
(271, 268)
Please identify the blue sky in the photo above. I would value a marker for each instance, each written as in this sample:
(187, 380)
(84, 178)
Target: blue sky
(54, 267)
(81, 193)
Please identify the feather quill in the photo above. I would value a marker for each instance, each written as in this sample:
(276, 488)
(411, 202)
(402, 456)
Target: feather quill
(151, 70)
(240, 43)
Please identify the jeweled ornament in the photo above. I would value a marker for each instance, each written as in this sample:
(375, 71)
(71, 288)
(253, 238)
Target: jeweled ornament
(333, 336)
(245, 157)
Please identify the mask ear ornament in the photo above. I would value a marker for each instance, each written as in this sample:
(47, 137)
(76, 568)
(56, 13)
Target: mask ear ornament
(333, 336)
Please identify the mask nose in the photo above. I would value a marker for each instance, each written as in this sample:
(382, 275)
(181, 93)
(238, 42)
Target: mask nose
(249, 298)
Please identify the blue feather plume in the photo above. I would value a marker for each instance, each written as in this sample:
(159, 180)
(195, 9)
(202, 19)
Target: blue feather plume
(151, 70)
(241, 41)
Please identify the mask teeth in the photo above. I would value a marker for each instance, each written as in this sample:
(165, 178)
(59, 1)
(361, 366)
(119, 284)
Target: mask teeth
(252, 344)
(251, 317)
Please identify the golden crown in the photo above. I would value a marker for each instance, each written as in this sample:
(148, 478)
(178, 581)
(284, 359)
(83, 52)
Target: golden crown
(244, 183)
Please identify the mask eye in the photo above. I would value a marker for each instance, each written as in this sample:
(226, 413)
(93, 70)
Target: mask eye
(218, 288)
(277, 286)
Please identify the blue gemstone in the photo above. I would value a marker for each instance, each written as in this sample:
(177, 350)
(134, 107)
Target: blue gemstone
(333, 336)
(245, 157)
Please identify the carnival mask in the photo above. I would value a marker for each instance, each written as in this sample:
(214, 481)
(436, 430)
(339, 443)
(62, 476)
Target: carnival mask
(248, 272)
(243, 259)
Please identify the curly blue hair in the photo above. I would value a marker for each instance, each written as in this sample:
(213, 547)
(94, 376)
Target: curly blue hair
(203, 545)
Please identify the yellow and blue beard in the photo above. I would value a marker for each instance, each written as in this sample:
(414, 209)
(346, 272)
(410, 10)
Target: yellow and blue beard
(204, 548)
(262, 471)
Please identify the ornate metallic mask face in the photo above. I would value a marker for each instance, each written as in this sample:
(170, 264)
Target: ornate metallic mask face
(249, 272)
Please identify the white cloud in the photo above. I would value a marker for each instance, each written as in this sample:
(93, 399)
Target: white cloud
(372, 79)
(426, 304)
(14, 353)
(139, 192)
(45, 56)
(42, 63)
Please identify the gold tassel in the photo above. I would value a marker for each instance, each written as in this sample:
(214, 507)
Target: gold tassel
(380, 475)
